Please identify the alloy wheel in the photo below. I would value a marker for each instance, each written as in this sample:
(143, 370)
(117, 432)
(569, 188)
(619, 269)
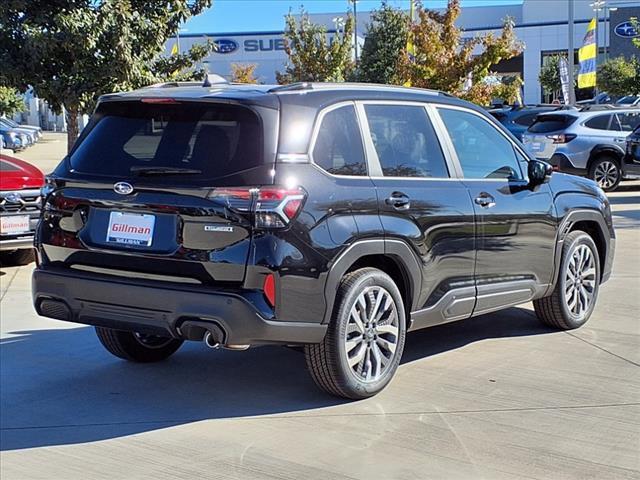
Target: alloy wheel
(580, 281)
(372, 334)
(606, 174)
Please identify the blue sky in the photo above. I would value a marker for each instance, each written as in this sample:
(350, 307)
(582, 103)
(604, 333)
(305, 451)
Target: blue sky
(267, 15)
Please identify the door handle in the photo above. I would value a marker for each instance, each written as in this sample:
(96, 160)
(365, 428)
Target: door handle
(399, 201)
(485, 200)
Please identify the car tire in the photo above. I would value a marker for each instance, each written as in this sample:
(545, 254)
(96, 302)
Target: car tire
(576, 291)
(606, 172)
(363, 345)
(17, 257)
(137, 347)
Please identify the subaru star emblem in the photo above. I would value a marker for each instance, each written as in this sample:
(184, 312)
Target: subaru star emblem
(626, 30)
(224, 45)
(123, 188)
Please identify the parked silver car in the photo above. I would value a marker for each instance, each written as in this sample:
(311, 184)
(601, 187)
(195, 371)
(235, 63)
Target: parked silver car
(588, 142)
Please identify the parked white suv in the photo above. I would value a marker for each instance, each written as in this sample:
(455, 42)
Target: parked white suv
(588, 142)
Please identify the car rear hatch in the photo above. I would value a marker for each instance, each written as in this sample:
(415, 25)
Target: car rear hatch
(546, 132)
(146, 192)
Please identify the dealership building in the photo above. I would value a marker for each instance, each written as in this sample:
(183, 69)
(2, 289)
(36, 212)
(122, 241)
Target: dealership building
(540, 24)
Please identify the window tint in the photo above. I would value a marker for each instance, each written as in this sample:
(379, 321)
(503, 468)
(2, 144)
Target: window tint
(482, 150)
(215, 140)
(8, 167)
(500, 116)
(526, 119)
(338, 148)
(599, 122)
(405, 141)
(551, 123)
(628, 121)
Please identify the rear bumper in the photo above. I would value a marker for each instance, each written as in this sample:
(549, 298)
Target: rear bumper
(159, 308)
(16, 243)
(563, 164)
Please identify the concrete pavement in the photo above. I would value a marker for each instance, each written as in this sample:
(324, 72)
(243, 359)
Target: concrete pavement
(498, 396)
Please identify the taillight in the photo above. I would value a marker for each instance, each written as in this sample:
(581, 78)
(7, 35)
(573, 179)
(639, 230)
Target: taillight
(269, 289)
(562, 137)
(271, 207)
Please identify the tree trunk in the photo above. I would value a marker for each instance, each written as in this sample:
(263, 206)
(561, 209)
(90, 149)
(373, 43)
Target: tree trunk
(72, 126)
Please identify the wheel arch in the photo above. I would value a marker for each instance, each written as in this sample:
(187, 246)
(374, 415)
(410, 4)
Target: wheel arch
(394, 257)
(592, 223)
(605, 149)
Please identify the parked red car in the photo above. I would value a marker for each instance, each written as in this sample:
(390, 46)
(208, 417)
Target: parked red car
(20, 184)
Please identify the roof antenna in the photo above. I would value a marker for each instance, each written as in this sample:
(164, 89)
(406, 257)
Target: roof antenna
(211, 78)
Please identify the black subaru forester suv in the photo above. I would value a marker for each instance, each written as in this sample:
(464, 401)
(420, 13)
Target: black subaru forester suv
(333, 217)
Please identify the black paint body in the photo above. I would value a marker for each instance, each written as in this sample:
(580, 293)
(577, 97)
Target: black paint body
(452, 258)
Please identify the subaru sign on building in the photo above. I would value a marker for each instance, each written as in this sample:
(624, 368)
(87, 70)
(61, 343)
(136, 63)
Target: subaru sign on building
(540, 24)
(622, 32)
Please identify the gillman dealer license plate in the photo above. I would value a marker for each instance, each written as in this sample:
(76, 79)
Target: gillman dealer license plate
(15, 224)
(131, 228)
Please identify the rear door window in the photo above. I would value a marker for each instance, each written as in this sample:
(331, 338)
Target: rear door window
(338, 147)
(551, 123)
(405, 141)
(127, 138)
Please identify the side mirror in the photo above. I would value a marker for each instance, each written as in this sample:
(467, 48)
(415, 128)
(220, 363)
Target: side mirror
(539, 172)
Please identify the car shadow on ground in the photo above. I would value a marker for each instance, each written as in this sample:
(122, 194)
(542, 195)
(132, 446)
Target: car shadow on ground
(60, 387)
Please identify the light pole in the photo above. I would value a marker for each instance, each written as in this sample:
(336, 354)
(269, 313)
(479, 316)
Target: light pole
(571, 56)
(607, 34)
(355, 28)
(178, 37)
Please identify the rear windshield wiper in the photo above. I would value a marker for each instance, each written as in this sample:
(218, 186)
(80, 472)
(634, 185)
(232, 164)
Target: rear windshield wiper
(140, 170)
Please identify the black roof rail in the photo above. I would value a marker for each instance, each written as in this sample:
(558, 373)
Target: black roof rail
(291, 87)
(302, 86)
(603, 106)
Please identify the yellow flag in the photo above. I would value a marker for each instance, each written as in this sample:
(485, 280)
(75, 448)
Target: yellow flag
(587, 57)
(174, 49)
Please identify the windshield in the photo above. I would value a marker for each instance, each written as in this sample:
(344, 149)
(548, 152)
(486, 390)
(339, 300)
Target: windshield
(551, 123)
(628, 100)
(131, 139)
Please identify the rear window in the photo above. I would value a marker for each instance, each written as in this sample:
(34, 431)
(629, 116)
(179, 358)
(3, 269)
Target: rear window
(526, 119)
(8, 167)
(551, 123)
(500, 116)
(213, 141)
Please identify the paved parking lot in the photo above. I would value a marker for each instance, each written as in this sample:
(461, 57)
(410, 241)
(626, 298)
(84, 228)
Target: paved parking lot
(498, 396)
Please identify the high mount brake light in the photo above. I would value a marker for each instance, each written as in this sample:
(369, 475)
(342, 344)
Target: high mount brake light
(271, 206)
(164, 101)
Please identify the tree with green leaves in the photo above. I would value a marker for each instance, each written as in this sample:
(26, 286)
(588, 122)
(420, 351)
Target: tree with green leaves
(11, 102)
(443, 61)
(73, 51)
(549, 76)
(386, 38)
(311, 56)
(620, 76)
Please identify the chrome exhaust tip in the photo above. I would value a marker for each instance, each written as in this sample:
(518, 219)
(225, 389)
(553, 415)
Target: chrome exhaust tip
(210, 341)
